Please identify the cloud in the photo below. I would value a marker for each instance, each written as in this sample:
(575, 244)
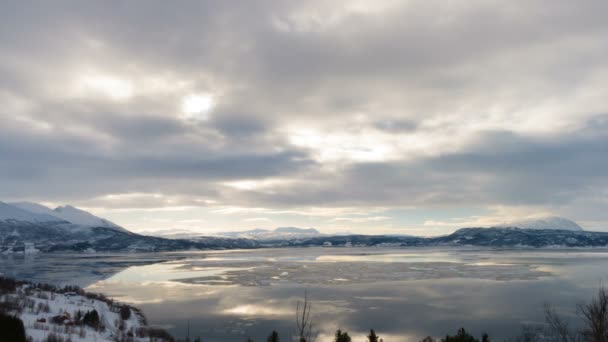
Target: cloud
(315, 105)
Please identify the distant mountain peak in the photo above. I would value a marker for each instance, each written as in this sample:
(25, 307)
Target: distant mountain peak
(549, 222)
(297, 230)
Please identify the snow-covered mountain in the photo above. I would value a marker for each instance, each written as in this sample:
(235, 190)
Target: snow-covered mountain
(31, 228)
(11, 213)
(552, 222)
(66, 213)
(281, 233)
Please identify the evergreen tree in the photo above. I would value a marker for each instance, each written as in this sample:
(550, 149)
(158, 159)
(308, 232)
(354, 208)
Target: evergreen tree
(274, 337)
(461, 336)
(372, 337)
(125, 312)
(91, 318)
(11, 329)
(342, 336)
(485, 338)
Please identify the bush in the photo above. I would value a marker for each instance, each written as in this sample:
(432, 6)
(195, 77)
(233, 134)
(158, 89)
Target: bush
(11, 328)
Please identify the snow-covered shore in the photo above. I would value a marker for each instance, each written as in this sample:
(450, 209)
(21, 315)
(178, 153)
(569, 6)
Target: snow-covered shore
(70, 314)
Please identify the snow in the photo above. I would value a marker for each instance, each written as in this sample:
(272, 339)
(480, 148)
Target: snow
(33, 207)
(82, 217)
(281, 233)
(69, 304)
(10, 212)
(67, 213)
(30, 249)
(552, 222)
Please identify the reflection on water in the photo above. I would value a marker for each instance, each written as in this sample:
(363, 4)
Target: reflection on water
(167, 271)
(405, 294)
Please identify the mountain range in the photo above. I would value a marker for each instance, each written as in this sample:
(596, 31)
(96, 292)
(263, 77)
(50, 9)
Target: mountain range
(29, 227)
(258, 234)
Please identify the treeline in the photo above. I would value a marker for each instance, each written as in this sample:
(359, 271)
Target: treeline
(343, 336)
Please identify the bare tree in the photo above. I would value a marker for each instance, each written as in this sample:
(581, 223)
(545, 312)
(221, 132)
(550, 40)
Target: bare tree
(595, 317)
(303, 322)
(595, 321)
(557, 325)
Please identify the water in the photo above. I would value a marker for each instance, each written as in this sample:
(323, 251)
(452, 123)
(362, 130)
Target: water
(404, 294)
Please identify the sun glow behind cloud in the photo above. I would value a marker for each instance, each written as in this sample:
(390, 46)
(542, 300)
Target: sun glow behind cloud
(306, 108)
(197, 106)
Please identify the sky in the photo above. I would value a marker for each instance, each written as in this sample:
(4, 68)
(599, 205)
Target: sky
(413, 117)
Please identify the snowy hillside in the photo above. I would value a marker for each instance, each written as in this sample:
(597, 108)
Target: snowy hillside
(67, 213)
(70, 314)
(9, 212)
(556, 223)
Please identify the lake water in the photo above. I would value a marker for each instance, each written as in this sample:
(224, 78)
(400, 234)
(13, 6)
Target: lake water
(402, 293)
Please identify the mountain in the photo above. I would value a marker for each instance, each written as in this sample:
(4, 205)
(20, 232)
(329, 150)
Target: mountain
(282, 233)
(496, 237)
(557, 223)
(68, 213)
(12, 213)
(258, 234)
(517, 237)
(27, 237)
(295, 230)
(30, 227)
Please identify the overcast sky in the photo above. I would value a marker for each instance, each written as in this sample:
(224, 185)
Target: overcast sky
(362, 116)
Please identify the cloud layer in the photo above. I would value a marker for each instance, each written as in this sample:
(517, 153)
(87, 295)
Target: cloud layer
(326, 114)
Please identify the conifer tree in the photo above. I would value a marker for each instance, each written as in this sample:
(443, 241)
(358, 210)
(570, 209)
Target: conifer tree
(273, 337)
(372, 337)
(342, 336)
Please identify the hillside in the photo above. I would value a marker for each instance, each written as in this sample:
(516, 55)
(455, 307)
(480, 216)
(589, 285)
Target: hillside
(550, 222)
(31, 237)
(67, 213)
(70, 314)
(483, 237)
